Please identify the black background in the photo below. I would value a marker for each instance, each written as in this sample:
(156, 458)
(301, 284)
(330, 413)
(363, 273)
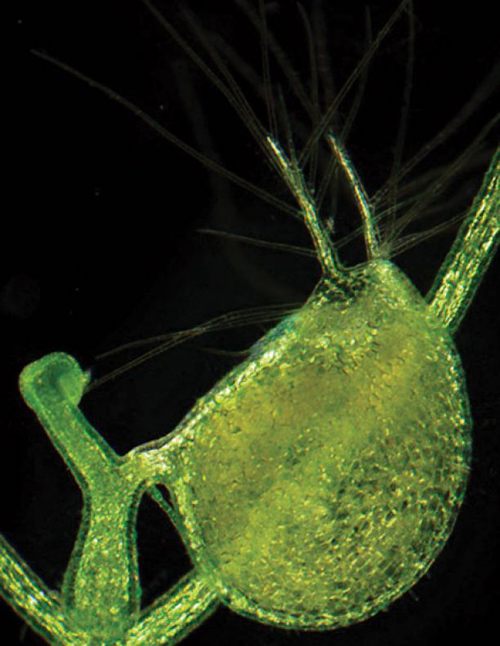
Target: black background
(101, 246)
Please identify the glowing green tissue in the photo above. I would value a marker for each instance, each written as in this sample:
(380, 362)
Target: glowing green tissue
(319, 479)
(313, 485)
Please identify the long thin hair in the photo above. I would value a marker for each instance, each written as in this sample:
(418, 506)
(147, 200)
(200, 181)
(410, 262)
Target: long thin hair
(89, 265)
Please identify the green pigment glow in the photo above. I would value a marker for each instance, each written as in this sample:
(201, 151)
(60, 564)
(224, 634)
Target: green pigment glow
(319, 479)
(313, 485)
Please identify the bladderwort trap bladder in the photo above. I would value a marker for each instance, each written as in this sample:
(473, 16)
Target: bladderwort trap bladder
(318, 480)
